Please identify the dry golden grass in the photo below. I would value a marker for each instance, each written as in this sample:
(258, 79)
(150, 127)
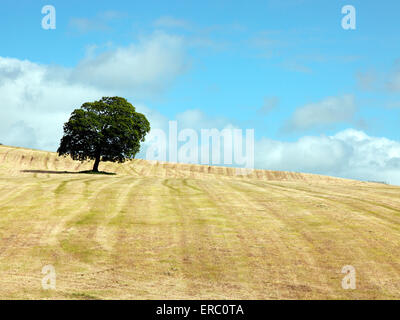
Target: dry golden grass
(174, 231)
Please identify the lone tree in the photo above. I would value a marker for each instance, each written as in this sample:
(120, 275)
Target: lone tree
(106, 130)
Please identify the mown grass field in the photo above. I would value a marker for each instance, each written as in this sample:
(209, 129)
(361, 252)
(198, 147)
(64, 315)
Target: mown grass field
(174, 231)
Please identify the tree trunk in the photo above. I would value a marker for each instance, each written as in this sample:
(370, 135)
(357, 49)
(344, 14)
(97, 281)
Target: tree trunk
(96, 164)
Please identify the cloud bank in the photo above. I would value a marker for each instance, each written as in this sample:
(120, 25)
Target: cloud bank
(37, 99)
(144, 68)
(349, 154)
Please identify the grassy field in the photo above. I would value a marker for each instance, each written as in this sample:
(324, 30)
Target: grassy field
(174, 231)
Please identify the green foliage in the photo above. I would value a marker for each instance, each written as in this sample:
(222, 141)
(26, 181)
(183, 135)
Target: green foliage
(106, 130)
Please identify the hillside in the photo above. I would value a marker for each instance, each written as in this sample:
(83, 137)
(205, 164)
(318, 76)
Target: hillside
(176, 231)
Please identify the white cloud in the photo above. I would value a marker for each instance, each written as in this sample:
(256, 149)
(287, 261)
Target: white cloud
(144, 68)
(328, 111)
(37, 99)
(36, 102)
(349, 153)
(19, 134)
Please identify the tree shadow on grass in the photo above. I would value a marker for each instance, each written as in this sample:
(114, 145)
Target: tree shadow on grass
(69, 172)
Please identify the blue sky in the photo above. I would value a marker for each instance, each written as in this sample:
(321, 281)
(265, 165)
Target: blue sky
(325, 97)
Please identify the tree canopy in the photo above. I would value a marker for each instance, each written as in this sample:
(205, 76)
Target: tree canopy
(106, 130)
